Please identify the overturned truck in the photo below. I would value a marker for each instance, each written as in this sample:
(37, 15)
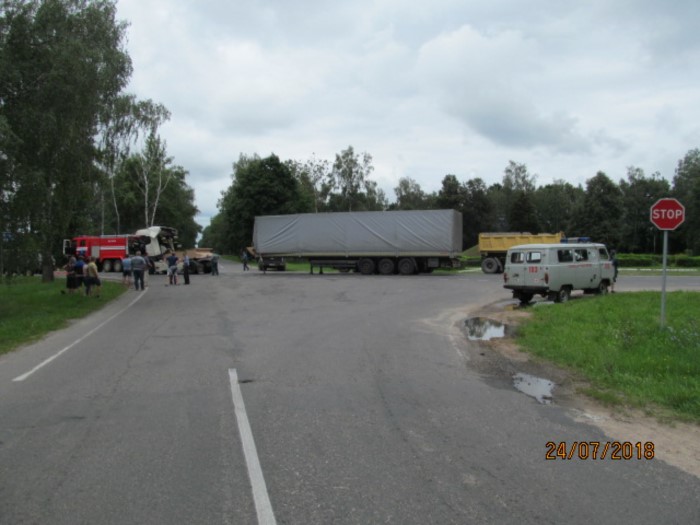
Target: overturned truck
(391, 242)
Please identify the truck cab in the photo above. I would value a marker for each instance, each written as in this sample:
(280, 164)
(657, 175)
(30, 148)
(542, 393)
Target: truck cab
(555, 270)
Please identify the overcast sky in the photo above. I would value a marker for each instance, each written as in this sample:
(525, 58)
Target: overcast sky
(427, 88)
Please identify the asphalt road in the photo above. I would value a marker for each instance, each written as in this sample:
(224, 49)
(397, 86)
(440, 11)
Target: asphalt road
(301, 399)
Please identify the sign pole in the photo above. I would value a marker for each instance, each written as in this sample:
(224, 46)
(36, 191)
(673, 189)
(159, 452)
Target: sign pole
(663, 281)
(666, 214)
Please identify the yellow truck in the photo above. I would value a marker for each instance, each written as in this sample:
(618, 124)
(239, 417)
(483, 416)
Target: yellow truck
(493, 247)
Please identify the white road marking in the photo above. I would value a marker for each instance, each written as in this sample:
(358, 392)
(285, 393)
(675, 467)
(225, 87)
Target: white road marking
(263, 507)
(64, 350)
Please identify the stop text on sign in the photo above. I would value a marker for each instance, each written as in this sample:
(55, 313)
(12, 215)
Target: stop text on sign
(667, 214)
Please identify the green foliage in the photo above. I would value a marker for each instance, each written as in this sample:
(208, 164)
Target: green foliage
(598, 215)
(260, 187)
(686, 188)
(616, 341)
(61, 62)
(639, 193)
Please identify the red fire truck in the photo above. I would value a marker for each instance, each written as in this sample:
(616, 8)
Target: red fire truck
(109, 250)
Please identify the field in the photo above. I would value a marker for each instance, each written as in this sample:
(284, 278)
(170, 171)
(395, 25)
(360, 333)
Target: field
(29, 309)
(616, 342)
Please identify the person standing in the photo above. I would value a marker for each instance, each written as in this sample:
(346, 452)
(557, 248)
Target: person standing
(92, 278)
(126, 271)
(186, 268)
(615, 265)
(70, 276)
(244, 259)
(215, 263)
(79, 269)
(172, 268)
(138, 267)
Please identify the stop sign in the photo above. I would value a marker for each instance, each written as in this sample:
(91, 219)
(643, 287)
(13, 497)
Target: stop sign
(667, 214)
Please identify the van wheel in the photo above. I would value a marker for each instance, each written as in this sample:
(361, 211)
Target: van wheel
(524, 297)
(602, 288)
(564, 294)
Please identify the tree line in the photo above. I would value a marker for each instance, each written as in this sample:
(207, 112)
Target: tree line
(613, 212)
(78, 155)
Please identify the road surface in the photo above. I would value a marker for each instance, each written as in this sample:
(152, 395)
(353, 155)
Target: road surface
(301, 399)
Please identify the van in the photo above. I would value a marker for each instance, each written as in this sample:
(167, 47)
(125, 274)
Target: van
(555, 270)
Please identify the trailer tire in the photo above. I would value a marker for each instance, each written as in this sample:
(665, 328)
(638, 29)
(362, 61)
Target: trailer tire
(407, 266)
(386, 266)
(366, 266)
(117, 266)
(107, 265)
(490, 265)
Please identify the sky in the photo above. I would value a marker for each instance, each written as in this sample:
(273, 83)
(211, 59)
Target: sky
(428, 89)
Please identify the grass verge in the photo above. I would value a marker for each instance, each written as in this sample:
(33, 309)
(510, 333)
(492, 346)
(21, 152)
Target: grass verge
(616, 342)
(29, 309)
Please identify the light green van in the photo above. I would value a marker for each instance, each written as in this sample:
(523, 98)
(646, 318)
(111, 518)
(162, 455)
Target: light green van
(555, 270)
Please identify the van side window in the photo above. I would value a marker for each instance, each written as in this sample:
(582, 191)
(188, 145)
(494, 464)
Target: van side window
(581, 255)
(534, 257)
(565, 256)
(517, 257)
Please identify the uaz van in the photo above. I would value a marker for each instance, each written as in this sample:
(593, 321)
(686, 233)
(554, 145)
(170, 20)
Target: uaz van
(555, 270)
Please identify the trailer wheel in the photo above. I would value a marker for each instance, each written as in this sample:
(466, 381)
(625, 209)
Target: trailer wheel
(366, 266)
(107, 265)
(117, 266)
(386, 266)
(490, 265)
(407, 266)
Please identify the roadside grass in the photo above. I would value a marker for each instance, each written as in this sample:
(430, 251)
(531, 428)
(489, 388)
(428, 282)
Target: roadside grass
(617, 344)
(29, 309)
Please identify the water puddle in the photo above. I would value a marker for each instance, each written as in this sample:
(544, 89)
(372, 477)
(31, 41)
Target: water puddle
(540, 389)
(483, 329)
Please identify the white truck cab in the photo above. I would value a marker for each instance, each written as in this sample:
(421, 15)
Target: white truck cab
(555, 270)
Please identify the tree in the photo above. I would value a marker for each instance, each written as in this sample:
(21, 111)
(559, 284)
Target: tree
(122, 122)
(476, 214)
(686, 188)
(350, 178)
(451, 195)
(555, 203)
(639, 193)
(598, 215)
(260, 187)
(523, 215)
(409, 195)
(61, 63)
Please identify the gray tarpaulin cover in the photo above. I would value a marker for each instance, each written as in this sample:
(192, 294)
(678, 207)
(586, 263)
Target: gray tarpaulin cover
(395, 233)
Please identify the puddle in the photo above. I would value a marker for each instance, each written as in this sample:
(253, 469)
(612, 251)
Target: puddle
(483, 329)
(540, 389)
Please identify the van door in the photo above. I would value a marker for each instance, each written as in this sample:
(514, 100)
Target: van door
(587, 274)
(534, 268)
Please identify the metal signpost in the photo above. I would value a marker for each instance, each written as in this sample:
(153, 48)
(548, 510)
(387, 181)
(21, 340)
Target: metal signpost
(667, 215)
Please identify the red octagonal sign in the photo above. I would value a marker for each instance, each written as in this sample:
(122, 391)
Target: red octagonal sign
(667, 214)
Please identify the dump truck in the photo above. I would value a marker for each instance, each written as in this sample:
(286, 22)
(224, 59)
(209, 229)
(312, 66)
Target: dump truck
(368, 242)
(493, 247)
